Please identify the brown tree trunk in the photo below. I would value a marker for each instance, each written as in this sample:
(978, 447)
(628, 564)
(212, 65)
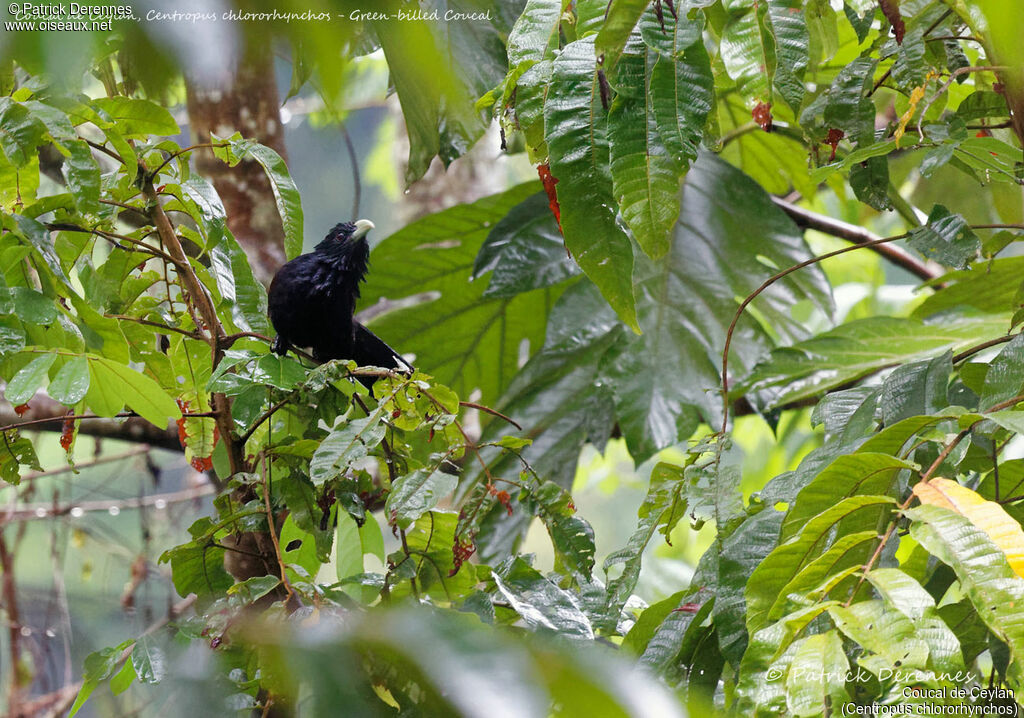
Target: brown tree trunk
(248, 104)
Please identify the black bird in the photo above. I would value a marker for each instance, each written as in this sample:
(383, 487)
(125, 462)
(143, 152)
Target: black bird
(312, 299)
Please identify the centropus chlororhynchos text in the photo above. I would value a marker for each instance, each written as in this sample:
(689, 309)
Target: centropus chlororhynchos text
(312, 299)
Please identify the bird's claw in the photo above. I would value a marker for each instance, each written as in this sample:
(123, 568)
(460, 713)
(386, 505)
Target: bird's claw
(280, 346)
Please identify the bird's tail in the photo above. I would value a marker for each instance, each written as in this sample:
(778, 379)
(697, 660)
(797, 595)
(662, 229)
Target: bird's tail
(370, 350)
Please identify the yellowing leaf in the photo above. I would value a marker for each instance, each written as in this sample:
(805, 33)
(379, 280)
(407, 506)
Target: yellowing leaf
(988, 516)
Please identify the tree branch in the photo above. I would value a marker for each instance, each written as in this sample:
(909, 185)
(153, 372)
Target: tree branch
(806, 219)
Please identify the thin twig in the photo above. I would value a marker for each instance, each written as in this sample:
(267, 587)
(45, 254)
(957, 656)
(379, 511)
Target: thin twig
(945, 86)
(858, 235)
(34, 512)
(764, 285)
(925, 478)
(489, 410)
(272, 530)
(183, 150)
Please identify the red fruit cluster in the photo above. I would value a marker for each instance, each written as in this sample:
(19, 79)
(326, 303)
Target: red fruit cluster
(762, 114)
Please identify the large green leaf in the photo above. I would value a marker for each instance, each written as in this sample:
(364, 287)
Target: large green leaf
(644, 177)
(681, 92)
(345, 444)
(748, 55)
(763, 675)
(984, 573)
(783, 21)
(524, 251)
(560, 400)
(741, 553)
(438, 70)
(540, 602)
(855, 513)
(113, 384)
(575, 127)
(535, 33)
(686, 300)
(989, 287)
(416, 493)
(29, 379)
(621, 17)
(1005, 376)
(20, 132)
(819, 655)
(135, 117)
(858, 348)
(464, 339)
(286, 194)
(849, 475)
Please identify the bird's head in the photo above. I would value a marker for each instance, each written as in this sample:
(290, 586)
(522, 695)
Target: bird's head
(346, 242)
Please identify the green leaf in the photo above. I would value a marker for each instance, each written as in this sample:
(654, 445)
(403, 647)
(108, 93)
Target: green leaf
(644, 177)
(524, 251)
(29, 379)
(349, 557)
(345, 444)
(747, 56)
(535, 33)
(665, 502)
(855, 513)
(235, 281)
(123, 679)
(760, 689)
(575, 128)
(299, 547)
(199, 570)
(989, 287)
(278, 371)
(783, 21)
(135, 117)
(71, 382)
(916, 389)
(869, 180)
(681, 93)
(834, 570)
(300, 497)
(416, 493)
(620, 19)
(558, 396)
(674, 642)
(901, 591)
(985, 576)
(148, 660)
(18, 451)
(946, 238)
(83, 175)
(464, 340)
(120, 385)
(1005, 377)
(686, 301)
(39, 238)
(860, 347)
(286, 194)
(741, 553)
(861, 473)
(33, 307)
(815, 681)
(539, 601)
(20, 132)
(640, 635)
(88, 686)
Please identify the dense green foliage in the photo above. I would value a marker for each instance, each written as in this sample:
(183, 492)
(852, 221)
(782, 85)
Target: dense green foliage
(666, 137)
